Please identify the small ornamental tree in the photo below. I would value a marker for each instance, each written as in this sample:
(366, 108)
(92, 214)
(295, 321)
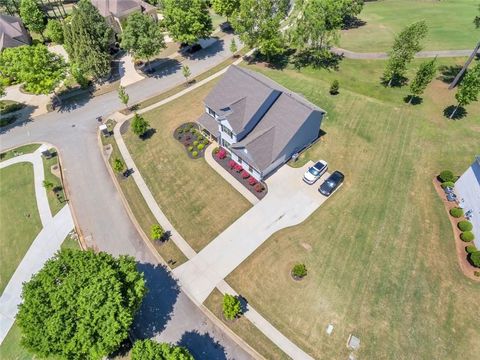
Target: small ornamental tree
(151, 350)
(139, 125)
(469, 89)
(33, 17)
(334, 87)
(475, 258)
(231, 306)
(447, 175)
(424, 76)
(118, 165)
(299, 271)
(80, 305)
(156, 232)
(48, 185)
(186, 72)
(54, 31)
(233, 47)
(122, 95)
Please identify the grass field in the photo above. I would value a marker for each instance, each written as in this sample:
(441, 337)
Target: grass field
(56, 203)
(380, 252)
(450, 24)
(190, 193)
(19, 220)
(26, 149)
(143, 215)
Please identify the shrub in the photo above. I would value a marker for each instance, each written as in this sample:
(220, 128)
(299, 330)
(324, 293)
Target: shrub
(180, 130)
(231, 306)
(476, 273)
(188, 137)
(252, 181)
(258, 187)
(245, 175)
(299, 271)
(231, 164)
(475, 258)
(467, 236)
(200, 146)
(195, 143)
(222, 153)
(447, 175)
(156, 232)
(456, 212)
(447, 184)
(216, 150)
(205, 142)
(470, 249)
(139, 125)
(465, 225)
(195, 153)
(334, 87)
(190, 148)
(118, 165)
(238, 167)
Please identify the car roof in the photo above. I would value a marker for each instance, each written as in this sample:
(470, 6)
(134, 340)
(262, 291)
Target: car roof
(337, 175)
(320, 164)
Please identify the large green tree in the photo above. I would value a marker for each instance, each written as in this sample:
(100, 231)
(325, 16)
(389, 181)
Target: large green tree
(187, 21)
(80, 305)
(225, 7)
(424, 76)
(54, 31)
(258, 24)
(32, 15)
(469, 89)
(38, 69)
(142, 36)
(152, 350)
(87, 40)
(405, 46)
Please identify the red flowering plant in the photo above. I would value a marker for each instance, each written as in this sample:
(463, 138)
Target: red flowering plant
(258, 187)
(238, 167)
(231, 164)
(252, 181)
(245, 175)
(222, 153)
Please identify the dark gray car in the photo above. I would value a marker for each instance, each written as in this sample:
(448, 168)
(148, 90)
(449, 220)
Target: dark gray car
(332, 183)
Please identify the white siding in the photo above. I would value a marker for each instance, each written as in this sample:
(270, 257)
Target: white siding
(468, 191)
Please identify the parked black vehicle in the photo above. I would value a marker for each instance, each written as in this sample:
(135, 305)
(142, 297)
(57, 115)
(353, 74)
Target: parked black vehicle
(332, 183)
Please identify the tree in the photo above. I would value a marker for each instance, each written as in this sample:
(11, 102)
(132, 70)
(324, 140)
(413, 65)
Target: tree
(468, 89)
(54, 31)
(139, 125)
(48, 185)
(80, 305)
(349, 10)
(142, 36)
(225, 7)
(231, 306)
(476, 21)
(122, 95)
(33, 17)
(424, 76)
(233, 46)
(186, 72)
(87, 40)
(405, 46)
(187, 20)
(151, 350)
(118, 165)
(334, 87)
(37, 68)
(258, 24)
(156, 232)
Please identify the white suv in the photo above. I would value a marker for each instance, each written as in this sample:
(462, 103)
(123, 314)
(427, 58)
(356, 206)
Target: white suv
(314, 172)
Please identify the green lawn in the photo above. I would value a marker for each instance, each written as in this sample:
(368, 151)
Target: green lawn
(19, 218)
(380, 253)
(190, 193)
(450, 24)
(26, 149)
(56, 202)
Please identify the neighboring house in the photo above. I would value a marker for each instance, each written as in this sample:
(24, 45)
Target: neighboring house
(467, 188)
(116, 11)
(12, 32)
(259, 122)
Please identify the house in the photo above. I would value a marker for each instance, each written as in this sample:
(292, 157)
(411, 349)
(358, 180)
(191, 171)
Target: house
(12, 32)
(116, 11)
(467, 188)
(259, 122)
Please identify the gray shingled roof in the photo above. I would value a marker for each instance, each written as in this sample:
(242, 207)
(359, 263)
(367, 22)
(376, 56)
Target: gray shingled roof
(120, 8)
(209, 123)
(12, 32)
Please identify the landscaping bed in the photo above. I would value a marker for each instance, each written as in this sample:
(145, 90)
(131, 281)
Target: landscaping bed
(257, 188)
(192, 139)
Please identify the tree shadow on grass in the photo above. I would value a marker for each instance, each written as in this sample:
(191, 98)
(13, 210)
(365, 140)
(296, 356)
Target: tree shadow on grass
(448, 73)
(459, 114)
(353, 22)
(203, 346)
(157, 306)
(278, 62)
(413, 100)
(397, 81)
(318, 59)
(148, 134)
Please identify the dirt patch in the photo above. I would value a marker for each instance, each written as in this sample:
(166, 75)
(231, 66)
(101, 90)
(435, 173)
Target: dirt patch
(306, 246)
(467, 269)
(55, 170)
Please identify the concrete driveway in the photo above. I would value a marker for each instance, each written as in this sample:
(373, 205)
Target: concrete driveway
(289, 202)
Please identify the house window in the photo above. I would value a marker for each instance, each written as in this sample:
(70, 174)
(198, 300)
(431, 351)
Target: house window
(227, 131)
(250, 168)
(210, 112)
(226, 144)
(240, 160)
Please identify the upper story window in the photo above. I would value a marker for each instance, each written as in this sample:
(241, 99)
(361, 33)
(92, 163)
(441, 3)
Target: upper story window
(227, 131)
(210, 112)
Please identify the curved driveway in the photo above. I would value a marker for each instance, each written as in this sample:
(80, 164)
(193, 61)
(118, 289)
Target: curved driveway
(166, 313)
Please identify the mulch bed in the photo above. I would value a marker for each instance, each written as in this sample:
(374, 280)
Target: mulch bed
(193, 141)
(238, 175)
(467, 268)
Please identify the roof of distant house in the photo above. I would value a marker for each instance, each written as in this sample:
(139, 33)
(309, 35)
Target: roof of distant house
(12, 32)
(121, 8)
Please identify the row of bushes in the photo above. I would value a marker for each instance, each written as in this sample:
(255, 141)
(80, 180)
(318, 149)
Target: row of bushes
(258, 187)
(447, 178)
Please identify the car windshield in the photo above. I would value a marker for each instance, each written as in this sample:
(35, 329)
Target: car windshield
(314, 171)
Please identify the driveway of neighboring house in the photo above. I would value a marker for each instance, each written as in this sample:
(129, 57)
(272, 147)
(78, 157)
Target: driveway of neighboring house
(128, 74)
(289, 202)
(37, 104)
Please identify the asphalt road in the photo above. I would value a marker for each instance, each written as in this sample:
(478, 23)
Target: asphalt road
(167, 313)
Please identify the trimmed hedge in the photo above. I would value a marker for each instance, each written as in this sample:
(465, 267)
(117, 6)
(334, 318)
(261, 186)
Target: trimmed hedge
(467, 236)
(195, 153)
(200, 146)
(465, 225)
(470, 249)
(456, 212)
(447, 175)
(475, 258)
(447, 184)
